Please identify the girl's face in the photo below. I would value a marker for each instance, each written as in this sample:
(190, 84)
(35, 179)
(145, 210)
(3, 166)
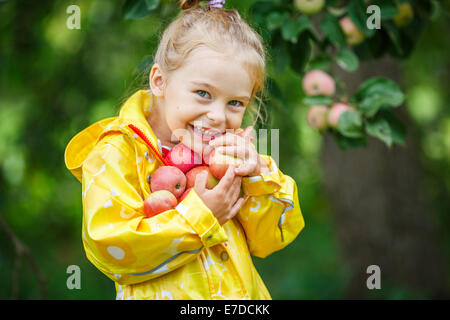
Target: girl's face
(203, 98)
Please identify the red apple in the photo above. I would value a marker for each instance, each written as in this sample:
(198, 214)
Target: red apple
(353, 35)
(168, 178)
(219, 163)
(183, 158)
(191, 175)
(317, 117)
(318, 82)
(335, 112)
(185, 193)
(158, 202)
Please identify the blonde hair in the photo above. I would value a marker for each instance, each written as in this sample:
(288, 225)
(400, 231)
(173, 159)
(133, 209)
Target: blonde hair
(218, 29)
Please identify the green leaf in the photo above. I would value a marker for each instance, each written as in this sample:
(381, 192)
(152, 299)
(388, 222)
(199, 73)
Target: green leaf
(137, 9)
(320, 63)
(276, 19)
(379, 128)
(338, 12)
(348, 143)
(350, 124)
(262, 7)
(317, 100)
(292, 28)
(275, 91)
(347, 60)
(398, 129)
(332, 30)
(388, 8)
(376, 93)
(394, 34)
(357, 12)
(300, 53)
(371, 104)
(384, 87)
(281, 51)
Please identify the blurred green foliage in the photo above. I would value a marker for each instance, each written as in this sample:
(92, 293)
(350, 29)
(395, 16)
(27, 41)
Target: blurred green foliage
(54, 82)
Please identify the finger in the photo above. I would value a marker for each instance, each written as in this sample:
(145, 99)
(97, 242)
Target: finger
(200, 182)
(227, 179)
(235, 151)
(246, 168)
(247, 133)
(236, 207)
(235, 188)
(228, 139)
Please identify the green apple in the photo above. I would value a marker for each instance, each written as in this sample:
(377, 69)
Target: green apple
(309, 6)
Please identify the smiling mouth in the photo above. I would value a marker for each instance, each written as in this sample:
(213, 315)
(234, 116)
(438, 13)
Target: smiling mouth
(204, 133)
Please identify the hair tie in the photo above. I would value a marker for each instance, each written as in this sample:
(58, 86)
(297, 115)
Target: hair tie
(216, 3)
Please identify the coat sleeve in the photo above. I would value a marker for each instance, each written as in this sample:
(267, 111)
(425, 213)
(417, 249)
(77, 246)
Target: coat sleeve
(118, 239)
(271, 215)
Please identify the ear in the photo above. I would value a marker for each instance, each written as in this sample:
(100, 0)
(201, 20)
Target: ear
(157, 81)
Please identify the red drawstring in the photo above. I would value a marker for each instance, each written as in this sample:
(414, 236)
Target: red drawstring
(147, 141)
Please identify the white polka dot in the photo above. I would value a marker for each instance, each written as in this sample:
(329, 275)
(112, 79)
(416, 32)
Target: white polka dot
(124, 215)
(114, 193)
(108, 204)
(116, 252)
(167, 294)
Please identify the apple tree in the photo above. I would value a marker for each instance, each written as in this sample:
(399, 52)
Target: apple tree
(309, 37)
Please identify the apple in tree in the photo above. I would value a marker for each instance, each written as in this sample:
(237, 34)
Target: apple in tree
(317, 82)
(405, 14)
(191, 175)
(219, 163)
(183, 158)
(309, 6)
(336, 110)
(158, 202)
(168, 178)
(317, 117)
(353, 35)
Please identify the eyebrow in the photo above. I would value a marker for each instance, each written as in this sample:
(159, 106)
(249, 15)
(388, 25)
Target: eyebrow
(211, 87)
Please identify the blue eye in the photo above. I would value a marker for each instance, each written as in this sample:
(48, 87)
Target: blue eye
(203, 93)
(236, 103)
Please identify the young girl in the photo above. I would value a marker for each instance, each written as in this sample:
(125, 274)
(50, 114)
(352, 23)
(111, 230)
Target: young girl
(208, 68)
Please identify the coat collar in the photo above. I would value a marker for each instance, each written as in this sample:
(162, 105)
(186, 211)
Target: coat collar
(133, 113)
(136, 110)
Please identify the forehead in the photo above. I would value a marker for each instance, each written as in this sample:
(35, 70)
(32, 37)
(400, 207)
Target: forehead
(219, 69)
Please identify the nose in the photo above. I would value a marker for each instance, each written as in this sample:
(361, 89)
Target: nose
(216, 114)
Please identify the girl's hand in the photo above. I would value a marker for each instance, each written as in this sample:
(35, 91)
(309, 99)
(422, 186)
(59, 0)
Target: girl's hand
(223, 200)
(240, 146)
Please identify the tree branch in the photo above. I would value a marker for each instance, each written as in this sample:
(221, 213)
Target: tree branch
(20, 250)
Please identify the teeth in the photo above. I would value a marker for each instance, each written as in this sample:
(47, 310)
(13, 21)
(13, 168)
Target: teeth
(208, 133)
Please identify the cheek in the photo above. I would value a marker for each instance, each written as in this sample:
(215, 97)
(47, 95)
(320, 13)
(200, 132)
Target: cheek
(177, 120)
(234, 120)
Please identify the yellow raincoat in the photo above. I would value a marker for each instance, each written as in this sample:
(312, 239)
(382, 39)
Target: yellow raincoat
(183, 253)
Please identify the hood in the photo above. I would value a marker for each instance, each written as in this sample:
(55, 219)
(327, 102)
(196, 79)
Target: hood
(134, 111)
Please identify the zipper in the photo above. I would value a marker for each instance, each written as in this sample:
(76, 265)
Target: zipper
(147, 141)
